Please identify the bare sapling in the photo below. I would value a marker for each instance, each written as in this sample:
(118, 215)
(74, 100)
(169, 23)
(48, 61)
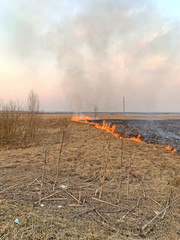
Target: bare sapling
(128, 175)
(122, 149)
(80, 195)
(128, 169)
(43, 174)
(63, 125)
(59, 158)
(105, 168)
(120, 180)
(142, 184)
(120, 186)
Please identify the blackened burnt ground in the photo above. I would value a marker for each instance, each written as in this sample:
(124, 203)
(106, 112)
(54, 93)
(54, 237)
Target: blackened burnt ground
(163, 132)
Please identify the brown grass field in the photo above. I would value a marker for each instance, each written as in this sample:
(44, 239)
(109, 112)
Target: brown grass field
(80, 182)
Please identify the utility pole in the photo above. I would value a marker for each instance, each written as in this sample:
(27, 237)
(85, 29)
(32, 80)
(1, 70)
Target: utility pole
(123, 104)
(95, 111)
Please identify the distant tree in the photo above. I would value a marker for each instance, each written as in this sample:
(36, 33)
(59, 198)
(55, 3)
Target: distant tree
(33, 105)
(33, 102)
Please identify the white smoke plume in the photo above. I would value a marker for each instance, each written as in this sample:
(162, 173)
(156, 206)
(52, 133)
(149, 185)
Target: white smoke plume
(104, 50)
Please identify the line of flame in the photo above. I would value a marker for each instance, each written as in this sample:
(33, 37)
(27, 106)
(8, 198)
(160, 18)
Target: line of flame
(111, 129)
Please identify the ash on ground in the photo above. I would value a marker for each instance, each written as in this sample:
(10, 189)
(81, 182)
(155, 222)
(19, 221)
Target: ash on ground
(163, 132)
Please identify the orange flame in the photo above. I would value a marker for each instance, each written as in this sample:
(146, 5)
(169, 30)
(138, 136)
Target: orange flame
(169, 148)
(111, 129)
(106, 127)
(138, 139)
(79, 118)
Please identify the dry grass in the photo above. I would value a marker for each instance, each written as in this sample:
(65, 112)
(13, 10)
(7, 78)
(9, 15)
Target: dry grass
(81, 169)
(121, 116)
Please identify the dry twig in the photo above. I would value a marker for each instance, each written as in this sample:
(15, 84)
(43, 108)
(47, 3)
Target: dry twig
(35, 180)
(154, 201)
(17, 184)
(44, 198)
(97, 212)
(54, 199)
(148, 223)
(168, 202)
(77, 200)
(99, 200)
(137, 204)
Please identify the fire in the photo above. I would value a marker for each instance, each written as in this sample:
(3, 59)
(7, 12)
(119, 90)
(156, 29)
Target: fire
(80, 118)
(106, 127)
(169, 148)
(111, 129)
(138, 139)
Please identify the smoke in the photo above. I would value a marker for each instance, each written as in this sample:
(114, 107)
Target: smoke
(104, 50)
(113, 49)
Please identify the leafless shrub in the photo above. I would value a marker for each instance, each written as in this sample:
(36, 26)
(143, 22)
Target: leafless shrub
(9, 122)
(18, 125)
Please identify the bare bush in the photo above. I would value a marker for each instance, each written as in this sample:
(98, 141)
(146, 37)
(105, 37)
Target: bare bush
(9, 122)
(19, 125)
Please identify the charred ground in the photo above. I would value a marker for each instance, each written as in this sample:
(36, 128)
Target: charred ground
(162, 132)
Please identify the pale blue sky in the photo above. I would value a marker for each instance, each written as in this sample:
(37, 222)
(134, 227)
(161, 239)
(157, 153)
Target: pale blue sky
(169, 8)
(76, 53)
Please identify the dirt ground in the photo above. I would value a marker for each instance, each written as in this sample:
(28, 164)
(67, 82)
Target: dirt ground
(83, 183)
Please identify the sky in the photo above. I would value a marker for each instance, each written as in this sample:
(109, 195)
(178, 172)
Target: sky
(80, 55)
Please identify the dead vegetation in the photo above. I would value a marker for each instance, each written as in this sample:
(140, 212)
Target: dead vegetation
(82, 183)
(20, 125)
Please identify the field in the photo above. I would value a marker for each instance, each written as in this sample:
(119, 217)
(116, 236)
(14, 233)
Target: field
(80, 182)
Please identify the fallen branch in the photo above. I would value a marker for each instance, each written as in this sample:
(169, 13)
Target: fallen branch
(105, 221)
(99, 200)
(148, 223)
(44, 198)
(74, 205)
(84, 213)
(154, 201)
(168, 202)
(137, 204)
(97, 212)
(77, 200)
(54, 199)
(17, 184)
(35, 180)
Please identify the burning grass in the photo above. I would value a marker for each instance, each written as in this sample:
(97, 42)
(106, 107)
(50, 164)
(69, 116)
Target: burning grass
(112, 128)
(136, 181)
